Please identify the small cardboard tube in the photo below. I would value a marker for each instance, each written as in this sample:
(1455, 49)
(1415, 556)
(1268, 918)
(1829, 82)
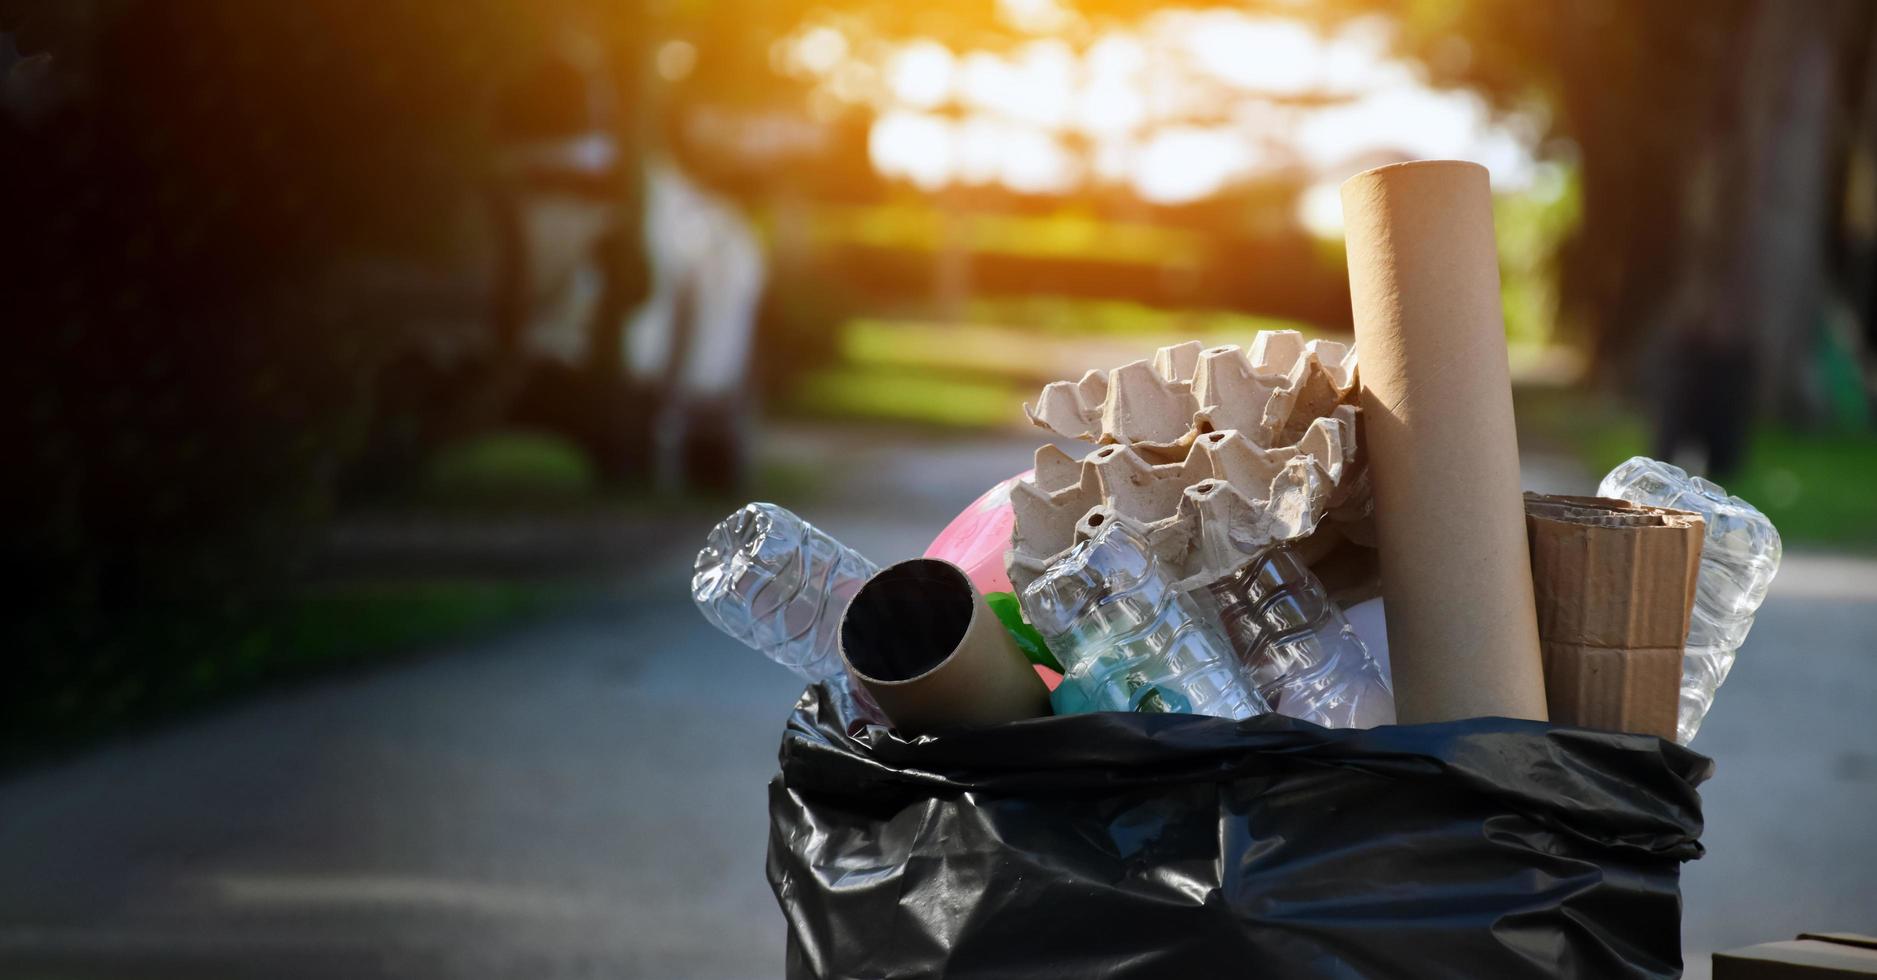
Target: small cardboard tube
(933, 654)
(1443, 454)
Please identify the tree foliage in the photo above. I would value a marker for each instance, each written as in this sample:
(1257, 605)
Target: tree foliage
(193, 214)
(1721, 147)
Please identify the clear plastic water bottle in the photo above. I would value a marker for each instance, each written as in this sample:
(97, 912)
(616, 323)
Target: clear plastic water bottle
(1739, 556)
(1303, 656)
(779, 584)
(1128, 640)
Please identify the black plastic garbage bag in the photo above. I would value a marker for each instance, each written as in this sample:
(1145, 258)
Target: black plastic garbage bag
(1176, 846)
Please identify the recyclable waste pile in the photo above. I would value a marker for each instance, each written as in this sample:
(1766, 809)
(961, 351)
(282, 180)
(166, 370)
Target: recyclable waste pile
(1201, 553)
(1169, 569)
(1232, 467)
(1174, 567)
(1274, 583)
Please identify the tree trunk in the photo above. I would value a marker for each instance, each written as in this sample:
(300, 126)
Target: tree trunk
(1790, 142)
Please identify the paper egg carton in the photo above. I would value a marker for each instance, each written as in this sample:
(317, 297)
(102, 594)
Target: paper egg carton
(1224, 499)
(1213, 453)
(1269, 393)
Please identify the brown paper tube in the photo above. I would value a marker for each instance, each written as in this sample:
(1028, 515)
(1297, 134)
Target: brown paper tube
(932, 653)
(1437, 410)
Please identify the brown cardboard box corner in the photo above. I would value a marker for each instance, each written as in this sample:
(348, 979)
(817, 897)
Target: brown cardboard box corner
(1812, 956)
(1614, 585)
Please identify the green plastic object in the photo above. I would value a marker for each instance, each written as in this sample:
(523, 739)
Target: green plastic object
(1004, 604)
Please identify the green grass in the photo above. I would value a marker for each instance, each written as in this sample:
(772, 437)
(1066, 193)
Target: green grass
(909, 396)
(1065, 234)
(364, 621)
(84, 680)
(1080, 317)
(978, 373)
(1819, 489)
(515, 467)
(1032, 354)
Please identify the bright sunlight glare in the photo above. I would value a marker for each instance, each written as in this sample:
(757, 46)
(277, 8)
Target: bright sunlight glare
(1187, 163)
(917, 147)
(1179, 110)
(920, 74)
(1254, 53)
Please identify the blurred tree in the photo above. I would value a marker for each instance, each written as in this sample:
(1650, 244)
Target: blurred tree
(794, 65)
(196, 195)
(1724, 152)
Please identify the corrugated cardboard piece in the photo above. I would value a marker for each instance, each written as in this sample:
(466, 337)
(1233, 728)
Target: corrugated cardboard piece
(1812, 956)
(1614, 585)
(1442, 451)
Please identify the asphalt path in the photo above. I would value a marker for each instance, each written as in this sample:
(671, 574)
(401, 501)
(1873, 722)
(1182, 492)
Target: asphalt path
(585, 797)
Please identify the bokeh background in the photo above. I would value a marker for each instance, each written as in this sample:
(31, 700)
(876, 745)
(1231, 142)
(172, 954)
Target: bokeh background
(376, 368)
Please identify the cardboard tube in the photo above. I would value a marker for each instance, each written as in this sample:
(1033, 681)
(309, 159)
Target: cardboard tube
(933, 654)
(1443, 454)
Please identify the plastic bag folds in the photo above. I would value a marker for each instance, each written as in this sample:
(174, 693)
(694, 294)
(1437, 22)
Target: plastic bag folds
(1179, 846)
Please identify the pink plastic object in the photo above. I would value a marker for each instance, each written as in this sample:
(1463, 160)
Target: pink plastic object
(977, 539)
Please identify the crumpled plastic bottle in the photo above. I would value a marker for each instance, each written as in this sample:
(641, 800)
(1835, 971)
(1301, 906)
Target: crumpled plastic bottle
(779, 585)
(1302, 654)
(1127, 639)
(1739, 556)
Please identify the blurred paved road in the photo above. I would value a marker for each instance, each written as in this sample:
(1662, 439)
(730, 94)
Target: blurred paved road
(586, 797)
